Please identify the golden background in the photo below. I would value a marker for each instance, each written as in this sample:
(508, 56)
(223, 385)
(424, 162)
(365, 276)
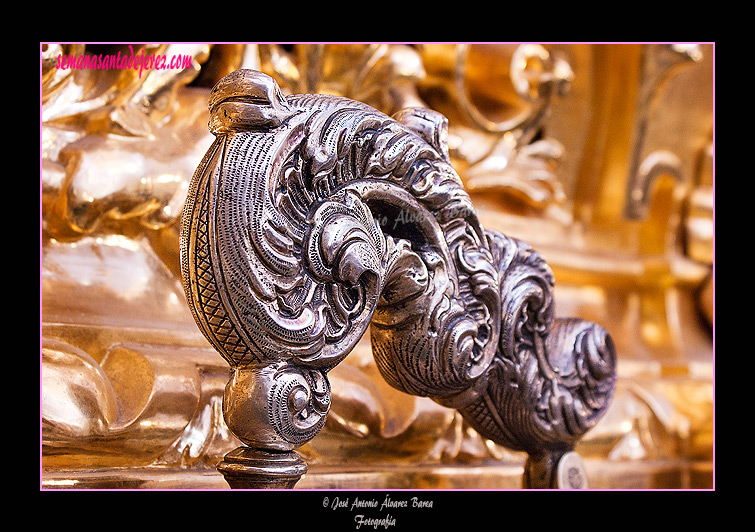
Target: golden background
(601, 156)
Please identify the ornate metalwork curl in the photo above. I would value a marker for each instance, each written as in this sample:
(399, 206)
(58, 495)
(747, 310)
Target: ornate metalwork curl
(312, 218)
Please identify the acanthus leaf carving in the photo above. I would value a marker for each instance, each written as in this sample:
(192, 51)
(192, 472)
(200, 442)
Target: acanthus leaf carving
(314, 217)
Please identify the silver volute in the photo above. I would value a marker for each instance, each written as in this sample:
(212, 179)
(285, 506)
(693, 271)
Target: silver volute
(312, 218)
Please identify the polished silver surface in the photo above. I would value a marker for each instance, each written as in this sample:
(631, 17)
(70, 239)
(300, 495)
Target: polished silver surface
(313, 218)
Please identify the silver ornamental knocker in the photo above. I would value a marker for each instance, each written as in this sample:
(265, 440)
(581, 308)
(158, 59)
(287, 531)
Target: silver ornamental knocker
(285, 264)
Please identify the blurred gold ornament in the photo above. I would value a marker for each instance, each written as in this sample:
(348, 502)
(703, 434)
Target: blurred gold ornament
(553, 142)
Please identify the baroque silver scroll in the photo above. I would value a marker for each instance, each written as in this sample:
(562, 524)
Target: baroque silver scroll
(314, 217)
